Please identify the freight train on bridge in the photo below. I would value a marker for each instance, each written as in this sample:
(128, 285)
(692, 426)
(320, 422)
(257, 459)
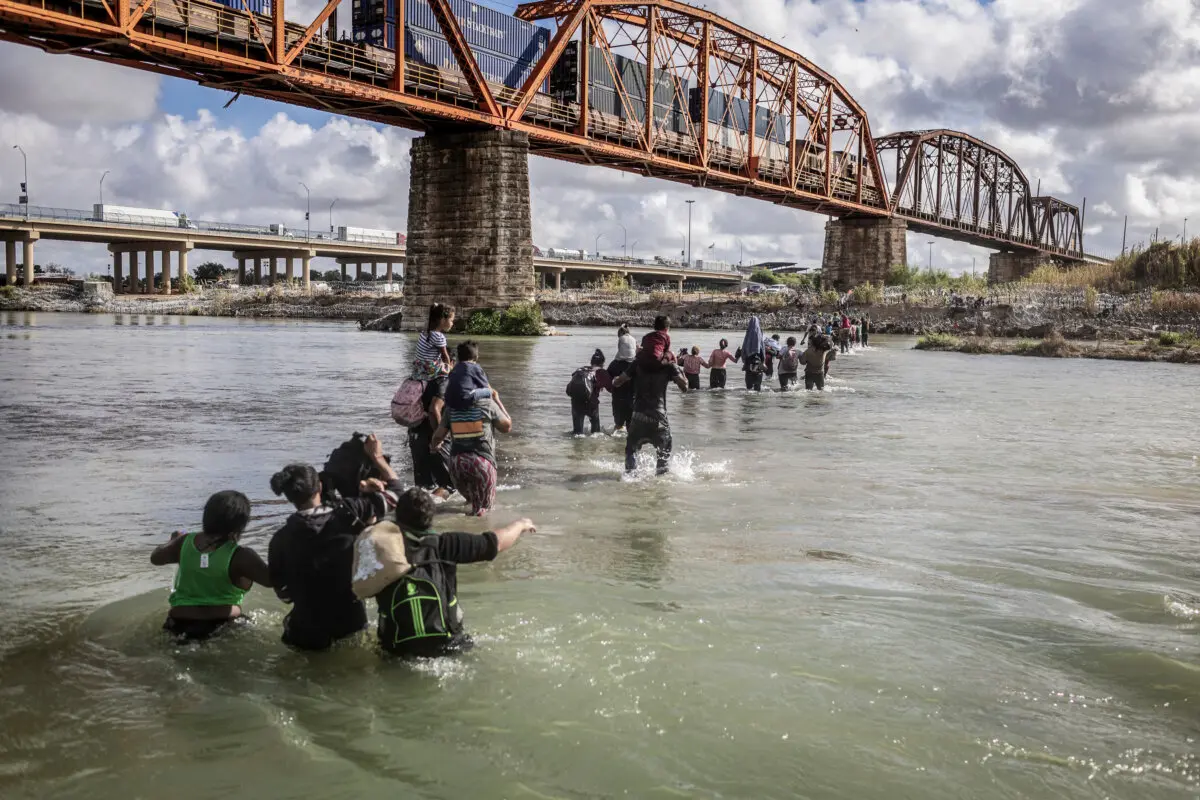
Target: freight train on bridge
(656, 87)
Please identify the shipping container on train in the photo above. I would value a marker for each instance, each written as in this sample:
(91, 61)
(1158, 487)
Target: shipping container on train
(734, 112)
(433, 51)
(485, 29)
(254, 6)
(564, 77)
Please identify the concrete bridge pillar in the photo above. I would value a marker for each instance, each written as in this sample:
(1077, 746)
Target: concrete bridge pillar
(150, 272)
(274, 269)
(257, 271)
(390, 273)
(306, 272)
(863, 250)
(1006, 267)
(165, 255)
(118, 271)
(469, 230)
(29, 240)
(241, 271)
(372, 272)
(343, 272)
(133, 272)
(10, 261)
(183, 264)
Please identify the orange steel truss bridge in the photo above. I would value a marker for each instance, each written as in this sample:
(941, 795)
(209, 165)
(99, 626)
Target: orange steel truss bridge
(823, 159)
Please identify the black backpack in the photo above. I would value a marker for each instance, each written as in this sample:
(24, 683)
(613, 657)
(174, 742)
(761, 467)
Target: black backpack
(416, 613)
(582, 384)
(346, 466)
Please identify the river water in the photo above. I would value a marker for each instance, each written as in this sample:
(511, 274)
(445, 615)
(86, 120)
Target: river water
(948, 577)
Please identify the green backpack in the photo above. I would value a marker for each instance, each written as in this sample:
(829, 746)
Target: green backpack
(417, 612)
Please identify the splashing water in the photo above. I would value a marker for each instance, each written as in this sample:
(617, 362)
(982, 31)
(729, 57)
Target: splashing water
(683, 467)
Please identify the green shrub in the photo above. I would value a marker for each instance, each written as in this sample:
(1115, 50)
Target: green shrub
(521, 319)
(938, 341)
(866, 294)
(1169, 339)
(614, 282)
(8, 292)
(764, 276)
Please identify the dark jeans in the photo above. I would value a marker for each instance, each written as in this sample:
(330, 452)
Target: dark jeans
(643, 432)
(787, 380)
(716, 378)
(814, 381)
(622, 399)
(753, 381)
(865, 337)
(693, 381)
(585, 410)
(430, 470)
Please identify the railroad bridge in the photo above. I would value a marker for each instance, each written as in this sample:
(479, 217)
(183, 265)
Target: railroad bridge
(657, 88)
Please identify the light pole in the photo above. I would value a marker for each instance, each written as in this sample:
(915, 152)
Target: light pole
(931, 256)
(24, 198)
(633, 248)
(624, 244)
(331, 205)
(1183, 239)
(690, 203)
(307, 214)
(598, 238)
(102, 177)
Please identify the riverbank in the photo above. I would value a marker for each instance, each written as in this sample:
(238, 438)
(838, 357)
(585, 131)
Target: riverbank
(1017, 311)
(284, 302)
(1167, 347)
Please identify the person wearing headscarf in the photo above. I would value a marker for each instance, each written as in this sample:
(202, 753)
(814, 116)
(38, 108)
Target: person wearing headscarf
(753, 355)
(622, 398)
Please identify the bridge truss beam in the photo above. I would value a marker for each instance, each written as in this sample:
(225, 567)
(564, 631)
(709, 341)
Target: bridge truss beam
(950, 184)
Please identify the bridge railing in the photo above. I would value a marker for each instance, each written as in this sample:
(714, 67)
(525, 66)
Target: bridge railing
(50, 214)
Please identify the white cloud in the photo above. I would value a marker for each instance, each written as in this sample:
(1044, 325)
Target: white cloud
(1094, 100)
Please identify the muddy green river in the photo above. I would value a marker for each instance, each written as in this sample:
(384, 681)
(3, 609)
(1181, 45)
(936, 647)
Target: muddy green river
(947, 577)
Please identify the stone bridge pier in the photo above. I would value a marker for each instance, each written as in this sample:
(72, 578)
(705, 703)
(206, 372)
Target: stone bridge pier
(1008, 266)
(862, 249)
(470, 241)
(123, 252)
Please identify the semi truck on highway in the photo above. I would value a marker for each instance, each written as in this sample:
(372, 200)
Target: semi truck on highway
(130, 215)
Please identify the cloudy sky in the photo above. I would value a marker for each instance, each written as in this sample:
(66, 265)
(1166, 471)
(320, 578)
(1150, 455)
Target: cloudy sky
(1094, 98)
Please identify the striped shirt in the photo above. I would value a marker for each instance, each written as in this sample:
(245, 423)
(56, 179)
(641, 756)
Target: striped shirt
(430, 346)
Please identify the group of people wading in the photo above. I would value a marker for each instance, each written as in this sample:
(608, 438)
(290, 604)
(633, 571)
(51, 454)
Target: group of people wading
(357, 533)
(639, 377)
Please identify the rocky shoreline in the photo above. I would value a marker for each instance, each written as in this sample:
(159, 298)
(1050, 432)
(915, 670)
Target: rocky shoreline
(1167, 347)
(1026, 312)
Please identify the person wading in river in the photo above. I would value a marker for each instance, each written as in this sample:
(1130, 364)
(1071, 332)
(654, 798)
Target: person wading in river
(473, 443)
(692, 364)
(789, 364)
(716, 365)
(650, 423)
(419, 614)
(753, 355)
(310, 556)
(622, 399)
(814, 361)
(584, 390)
(214, 572)
(431, 468)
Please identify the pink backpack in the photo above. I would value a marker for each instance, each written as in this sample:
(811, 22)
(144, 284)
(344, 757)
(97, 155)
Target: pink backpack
(407, 408)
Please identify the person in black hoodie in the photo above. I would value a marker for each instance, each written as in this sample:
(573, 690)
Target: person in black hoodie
(310, 557)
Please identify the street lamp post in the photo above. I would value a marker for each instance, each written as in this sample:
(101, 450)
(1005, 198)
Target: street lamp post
(598, 238)
(24, 198)
(633, 248)
(624, 244)
(102, 177)
(307, 215)
(690, 203)
(931, 256)
(1183, 239)
(331, 205)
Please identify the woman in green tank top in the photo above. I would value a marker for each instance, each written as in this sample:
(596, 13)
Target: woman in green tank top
(214, 572)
